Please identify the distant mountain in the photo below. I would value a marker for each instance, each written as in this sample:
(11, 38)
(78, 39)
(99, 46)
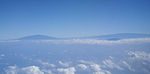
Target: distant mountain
(37, 37)
(121, 36)
(101, 37)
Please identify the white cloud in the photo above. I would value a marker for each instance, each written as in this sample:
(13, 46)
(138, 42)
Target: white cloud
(94, 41)
(142, 59)
(46, 63)
(66, 64)
(137, 55)
(110, 64)
(47, 71)
(98, 70)
(95, 67)
(70, 70)
(24, 70)
(11, 70)
(82, 66)
(107, 72)
(32, 70)
(86, 62)
(91, 41)
(128, 66)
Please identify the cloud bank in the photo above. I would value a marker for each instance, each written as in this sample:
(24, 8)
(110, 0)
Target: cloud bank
(88, 41)
(24, 70)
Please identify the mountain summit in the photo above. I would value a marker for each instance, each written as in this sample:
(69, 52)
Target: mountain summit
(37, 37)
(118, 36)
(121, 36)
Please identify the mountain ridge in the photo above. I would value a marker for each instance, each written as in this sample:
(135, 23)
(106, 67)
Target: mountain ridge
(37, 37)
(117, 36)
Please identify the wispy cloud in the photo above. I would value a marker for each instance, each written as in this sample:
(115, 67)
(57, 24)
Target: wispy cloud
(70, 70)
(128, 66)
(94, 67)
(25, 70)
(110, 64)
(66, 64)
(139, 55)
(46, 63)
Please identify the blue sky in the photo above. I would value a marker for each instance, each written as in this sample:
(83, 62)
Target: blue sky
(67, 18)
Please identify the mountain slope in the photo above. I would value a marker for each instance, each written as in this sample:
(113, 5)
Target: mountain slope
(37, 37)
(121, 36)
(118, 36)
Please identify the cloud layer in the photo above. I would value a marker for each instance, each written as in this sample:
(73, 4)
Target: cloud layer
(88, 41)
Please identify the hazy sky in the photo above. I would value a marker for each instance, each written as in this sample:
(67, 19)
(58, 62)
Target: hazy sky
(66, 18)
